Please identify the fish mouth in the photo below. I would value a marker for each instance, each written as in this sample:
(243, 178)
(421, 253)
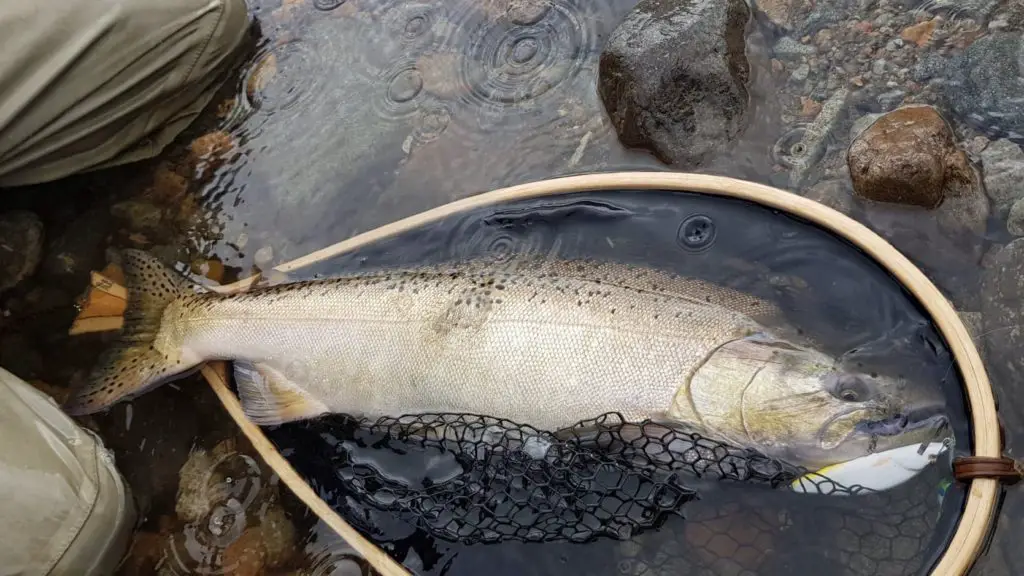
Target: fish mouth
(927, 417)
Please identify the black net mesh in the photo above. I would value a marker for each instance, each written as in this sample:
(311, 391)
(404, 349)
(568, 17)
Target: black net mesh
(485, 480)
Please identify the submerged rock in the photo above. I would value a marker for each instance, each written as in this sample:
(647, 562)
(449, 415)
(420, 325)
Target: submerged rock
(21, 247)
(246, 556)
(832, 193)
(803, 148)
(80, 248)
(211, 146)
(1015, 219)
(781, 12)
(673, 78)
(919, 33)
(982, 84)
(138, 215)
(1003, 327)
(277, 536)
(169, 186)
(909, 157)
(1003, 164)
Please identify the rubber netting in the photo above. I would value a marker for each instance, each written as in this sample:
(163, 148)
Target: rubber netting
(485, 480)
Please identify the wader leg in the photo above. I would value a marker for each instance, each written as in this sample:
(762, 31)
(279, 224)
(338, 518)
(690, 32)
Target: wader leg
(65, 507)
(87, 84)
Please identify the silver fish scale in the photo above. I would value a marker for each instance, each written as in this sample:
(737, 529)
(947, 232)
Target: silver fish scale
(532, 346)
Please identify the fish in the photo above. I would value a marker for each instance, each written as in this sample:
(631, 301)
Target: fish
(546, 343)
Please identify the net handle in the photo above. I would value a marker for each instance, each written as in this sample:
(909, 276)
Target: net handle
(979, 511)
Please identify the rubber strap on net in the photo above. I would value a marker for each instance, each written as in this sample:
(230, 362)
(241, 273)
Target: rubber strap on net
(1004, 469)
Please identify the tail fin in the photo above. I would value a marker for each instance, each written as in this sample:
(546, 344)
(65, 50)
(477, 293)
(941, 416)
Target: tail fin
(136, 362)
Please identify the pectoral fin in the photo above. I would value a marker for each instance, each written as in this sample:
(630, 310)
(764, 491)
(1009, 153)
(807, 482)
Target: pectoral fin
(269, 398)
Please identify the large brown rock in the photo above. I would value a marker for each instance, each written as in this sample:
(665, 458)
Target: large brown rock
(908, 157)
(673, 78)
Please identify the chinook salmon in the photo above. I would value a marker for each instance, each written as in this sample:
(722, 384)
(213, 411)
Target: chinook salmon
(546, 344)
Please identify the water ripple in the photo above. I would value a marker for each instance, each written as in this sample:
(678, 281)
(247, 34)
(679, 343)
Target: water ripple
(327, 5)
(402, 88)
(282, 80)
(429, 124)
(513, 59)
(418, 25)
(503, 244)
(332, 556)
(228, 496)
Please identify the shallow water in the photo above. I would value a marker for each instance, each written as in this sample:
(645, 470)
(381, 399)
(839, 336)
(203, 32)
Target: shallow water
(355, 113)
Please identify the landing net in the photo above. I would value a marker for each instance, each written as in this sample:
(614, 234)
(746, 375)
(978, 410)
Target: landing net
(476, 479)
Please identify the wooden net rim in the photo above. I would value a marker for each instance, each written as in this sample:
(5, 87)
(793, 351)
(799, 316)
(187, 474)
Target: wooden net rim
(982, 495)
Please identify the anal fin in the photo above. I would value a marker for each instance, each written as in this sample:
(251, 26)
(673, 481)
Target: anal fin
(269, 398)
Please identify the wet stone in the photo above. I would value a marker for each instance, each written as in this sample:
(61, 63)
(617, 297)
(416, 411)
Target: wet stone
(700, 45)
(890, 100)
(137, 215)
(168, 185)
(1015, 219)
(919, 33)
(981, 84)
(924, 196)
(1003, 165)
(907, 157)
(21, 247)
(80, 248)
(800, 73)
(861, 124)
(211, 146)
(1003, 326)
(781, 12)
(278, 537)
(246, 556)
(832, 193)
(264, 256)
(212, 269)
(787, 46)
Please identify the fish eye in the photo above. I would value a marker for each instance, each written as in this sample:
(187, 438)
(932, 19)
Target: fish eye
(852, 388)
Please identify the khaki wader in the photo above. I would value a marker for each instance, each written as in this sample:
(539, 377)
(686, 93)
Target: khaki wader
(65, 508)
(87, 84)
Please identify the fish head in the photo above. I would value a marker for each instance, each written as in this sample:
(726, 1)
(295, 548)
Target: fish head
(804, 407)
